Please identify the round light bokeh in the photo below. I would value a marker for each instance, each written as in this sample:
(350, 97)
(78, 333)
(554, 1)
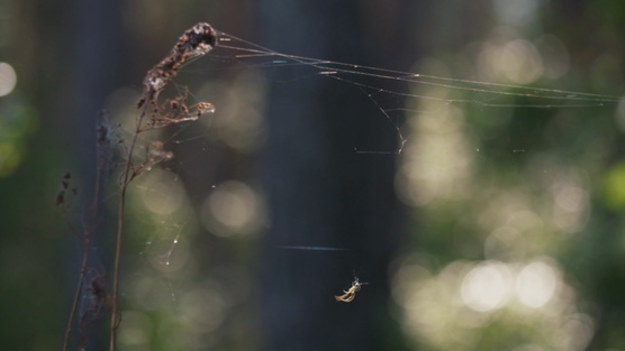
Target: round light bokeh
(8, 79)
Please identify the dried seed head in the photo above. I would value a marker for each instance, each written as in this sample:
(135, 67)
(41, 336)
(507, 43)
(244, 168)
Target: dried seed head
(196, 41)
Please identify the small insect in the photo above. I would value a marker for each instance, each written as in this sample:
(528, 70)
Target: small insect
(350, 294)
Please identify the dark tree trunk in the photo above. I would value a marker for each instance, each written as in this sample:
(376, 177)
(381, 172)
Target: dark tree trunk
(94, 53)
(321, 191)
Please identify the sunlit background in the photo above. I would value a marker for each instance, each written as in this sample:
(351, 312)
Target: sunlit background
(509, 235)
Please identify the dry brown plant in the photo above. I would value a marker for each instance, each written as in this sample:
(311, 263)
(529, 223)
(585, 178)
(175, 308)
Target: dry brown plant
(152, 113)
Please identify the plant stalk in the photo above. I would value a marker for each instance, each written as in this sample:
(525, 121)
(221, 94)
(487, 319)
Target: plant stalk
(126, 179)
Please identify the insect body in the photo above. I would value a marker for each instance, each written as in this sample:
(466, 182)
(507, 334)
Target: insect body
(350, 294)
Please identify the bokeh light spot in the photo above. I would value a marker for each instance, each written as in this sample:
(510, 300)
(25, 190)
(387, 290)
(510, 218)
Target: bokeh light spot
(536, 284)
(487, 286)
(507, 57)
(202, 310)
(135, 329)
(614, 187)
(161, 193)
(233, 208)
(8, 78)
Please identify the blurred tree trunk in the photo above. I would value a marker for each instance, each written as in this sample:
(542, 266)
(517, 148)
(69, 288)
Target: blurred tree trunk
(321, 192)
(94, 51)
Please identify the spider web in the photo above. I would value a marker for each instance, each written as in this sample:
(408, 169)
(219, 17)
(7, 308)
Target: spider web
(420, 93)
(486, 94)
(425, 94)
(170, 262)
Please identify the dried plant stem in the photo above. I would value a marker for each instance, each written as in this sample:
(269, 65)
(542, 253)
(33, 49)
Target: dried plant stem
(114, 295)
(195, 42)
(126, 178)
(77, 295)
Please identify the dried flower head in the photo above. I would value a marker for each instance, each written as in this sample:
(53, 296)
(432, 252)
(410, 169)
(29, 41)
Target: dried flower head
(197, 41)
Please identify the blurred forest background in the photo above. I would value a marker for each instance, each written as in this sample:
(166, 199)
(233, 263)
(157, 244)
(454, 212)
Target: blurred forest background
(494, 229)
